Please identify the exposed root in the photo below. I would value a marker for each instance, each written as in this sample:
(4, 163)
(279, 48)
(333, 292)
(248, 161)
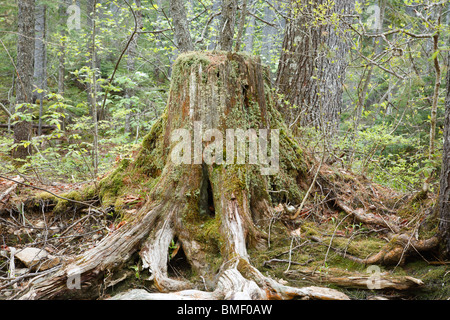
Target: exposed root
(154, 256)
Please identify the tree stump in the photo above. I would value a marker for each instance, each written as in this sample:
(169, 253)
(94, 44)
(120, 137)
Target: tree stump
(210, 188)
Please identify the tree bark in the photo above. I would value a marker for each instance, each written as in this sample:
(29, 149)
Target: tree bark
(131, 52)
(24, 86)
(180, 25)
(40, 60)
(312, 66)
(243, 16)
(227, 25)
(444, 191)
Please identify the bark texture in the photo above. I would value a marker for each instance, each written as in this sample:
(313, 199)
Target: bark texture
(312, 66)
(24, 86)
(227, 25)
(180, 25)
(444, 194)
(131, 52)
(40, 60)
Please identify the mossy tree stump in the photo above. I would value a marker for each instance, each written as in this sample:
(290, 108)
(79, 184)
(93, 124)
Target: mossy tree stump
(215, 210)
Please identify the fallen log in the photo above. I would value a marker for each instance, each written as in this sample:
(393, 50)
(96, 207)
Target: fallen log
(356, 280)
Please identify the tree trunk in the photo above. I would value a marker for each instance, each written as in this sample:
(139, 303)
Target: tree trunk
(242, 18)
(215, 26)
(93, 62)
(131, 52)
(249, 35)
(212, 96)
(180, 25)
(62, 54)
(227, 24)
(312, 66)
(24, 86)
(40, 60)
(444, 193)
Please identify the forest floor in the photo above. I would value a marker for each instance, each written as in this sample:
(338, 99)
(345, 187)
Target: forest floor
(295, 256)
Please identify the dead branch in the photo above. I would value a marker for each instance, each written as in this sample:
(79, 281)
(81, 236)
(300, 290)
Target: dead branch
(356, 279)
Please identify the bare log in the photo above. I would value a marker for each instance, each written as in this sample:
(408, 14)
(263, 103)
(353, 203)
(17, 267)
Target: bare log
(357, 280)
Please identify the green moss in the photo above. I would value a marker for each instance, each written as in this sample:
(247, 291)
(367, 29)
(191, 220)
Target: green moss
(63, 205)
(361, 248)
(184, 64)
(111, 186)
(310, 229)
(151, 158)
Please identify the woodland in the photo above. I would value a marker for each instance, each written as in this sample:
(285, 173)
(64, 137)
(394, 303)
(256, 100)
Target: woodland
(224, 150)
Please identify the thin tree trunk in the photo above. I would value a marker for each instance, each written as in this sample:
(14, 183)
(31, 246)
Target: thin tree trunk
(180, 25)
(40, 60)
(214, 37)
(62, 55)
(268, 35)
(444, 191)
(227, 24)
(241, 26)
(94, 90)
(364, 84)
(91, 12)
(24, 85)
(437, 86)
(131, 52)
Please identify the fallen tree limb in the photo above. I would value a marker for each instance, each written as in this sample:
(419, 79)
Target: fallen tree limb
(356, 279)
(45, 190)
(8, 191)
(367, 218)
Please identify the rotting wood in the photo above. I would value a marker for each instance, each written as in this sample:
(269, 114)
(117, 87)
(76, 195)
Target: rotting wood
(356, 279)
(221, 92)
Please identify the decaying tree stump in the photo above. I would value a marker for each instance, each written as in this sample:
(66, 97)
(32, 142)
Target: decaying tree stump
(208, 192)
